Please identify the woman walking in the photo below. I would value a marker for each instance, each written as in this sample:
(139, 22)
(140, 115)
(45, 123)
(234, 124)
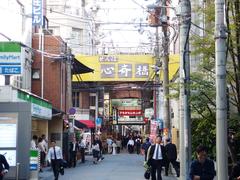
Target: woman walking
(95, 152)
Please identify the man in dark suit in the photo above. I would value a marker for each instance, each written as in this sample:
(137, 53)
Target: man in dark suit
(4, 166)
(74, 148)
(156, 158)
(171, 151)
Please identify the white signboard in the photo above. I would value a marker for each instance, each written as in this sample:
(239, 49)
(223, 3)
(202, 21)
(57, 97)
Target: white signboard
(40, 111)
(10, 156)
(8, 135)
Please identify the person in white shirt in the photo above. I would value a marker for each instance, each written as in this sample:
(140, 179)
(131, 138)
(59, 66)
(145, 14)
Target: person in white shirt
(82, 147)
(45, 142)
(34, 142)
(43, 153)
(55, 157)
(130, 145)
(114, 145)
(156, 158)
(95, 151)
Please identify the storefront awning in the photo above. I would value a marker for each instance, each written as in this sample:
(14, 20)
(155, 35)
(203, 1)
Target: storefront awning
(87, 123)
(79, 68)
(56, 112)
(79, 125)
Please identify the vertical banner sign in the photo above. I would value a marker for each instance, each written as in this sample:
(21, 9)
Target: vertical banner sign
(34, 159)
(37, 13)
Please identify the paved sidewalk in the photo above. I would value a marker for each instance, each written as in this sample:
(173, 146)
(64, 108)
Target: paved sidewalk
(119, 167)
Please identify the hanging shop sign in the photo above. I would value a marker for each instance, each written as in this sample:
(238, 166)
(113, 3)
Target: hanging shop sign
(130, 112)
(10, 58)
(126, 102)
(123, 67)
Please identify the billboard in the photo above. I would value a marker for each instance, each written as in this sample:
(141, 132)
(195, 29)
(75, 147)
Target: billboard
(10, 58)
(123, 67)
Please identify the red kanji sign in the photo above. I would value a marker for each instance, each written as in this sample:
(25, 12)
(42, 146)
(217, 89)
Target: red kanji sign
(130, 112)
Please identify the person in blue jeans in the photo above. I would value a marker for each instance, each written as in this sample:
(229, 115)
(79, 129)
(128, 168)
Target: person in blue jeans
(202, 168)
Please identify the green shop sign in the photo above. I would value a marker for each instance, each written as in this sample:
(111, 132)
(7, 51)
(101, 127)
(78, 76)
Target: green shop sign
(40, 108)
(10, 58)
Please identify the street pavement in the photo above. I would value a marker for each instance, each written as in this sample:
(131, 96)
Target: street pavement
(114, 167)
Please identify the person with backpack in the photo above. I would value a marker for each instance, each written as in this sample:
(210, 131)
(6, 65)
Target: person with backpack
(4, 166)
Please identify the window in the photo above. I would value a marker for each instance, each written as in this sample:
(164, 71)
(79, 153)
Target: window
(36, 74)
(92, 100)
(75, 99)
(77, 34)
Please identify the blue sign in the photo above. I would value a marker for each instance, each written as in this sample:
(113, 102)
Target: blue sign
(37, 13)
(33, 167)
(98, 121)
(5, 70)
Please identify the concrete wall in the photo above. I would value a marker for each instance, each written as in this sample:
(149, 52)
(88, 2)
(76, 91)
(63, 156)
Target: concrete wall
(23, 136)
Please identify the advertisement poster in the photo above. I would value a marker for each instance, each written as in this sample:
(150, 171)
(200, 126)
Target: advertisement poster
(153, 132)
(8, 133)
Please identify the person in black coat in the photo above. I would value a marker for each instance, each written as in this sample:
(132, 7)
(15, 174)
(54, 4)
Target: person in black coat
(74, 148)
(171, 152)
(156, 158)
(202, 168)
(4, 166)
(235, 174)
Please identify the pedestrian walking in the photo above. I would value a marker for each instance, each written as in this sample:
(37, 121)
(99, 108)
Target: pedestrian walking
(114, 146)
(235, 174)
(95, 151)
(138, 144)
(82, 147)
(43, 153)
(202, 168)
(55, 158)
(99, 142)
(145, 147)
(4, 166)
(119, 144)
(74, 148)
(156, 158)
(130, 145)
(171, 152)
(109, 143)
(45, 146)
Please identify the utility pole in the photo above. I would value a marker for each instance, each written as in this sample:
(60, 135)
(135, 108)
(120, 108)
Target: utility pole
(69, 77)
(157, 80)
(185, 130)
(221, 97)
(166, 104)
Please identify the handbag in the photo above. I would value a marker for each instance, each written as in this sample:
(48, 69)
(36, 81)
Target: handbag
(61, 170)
(147, 174)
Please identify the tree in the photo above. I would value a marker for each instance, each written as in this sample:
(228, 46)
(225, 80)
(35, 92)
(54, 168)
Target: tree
(203, 82)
